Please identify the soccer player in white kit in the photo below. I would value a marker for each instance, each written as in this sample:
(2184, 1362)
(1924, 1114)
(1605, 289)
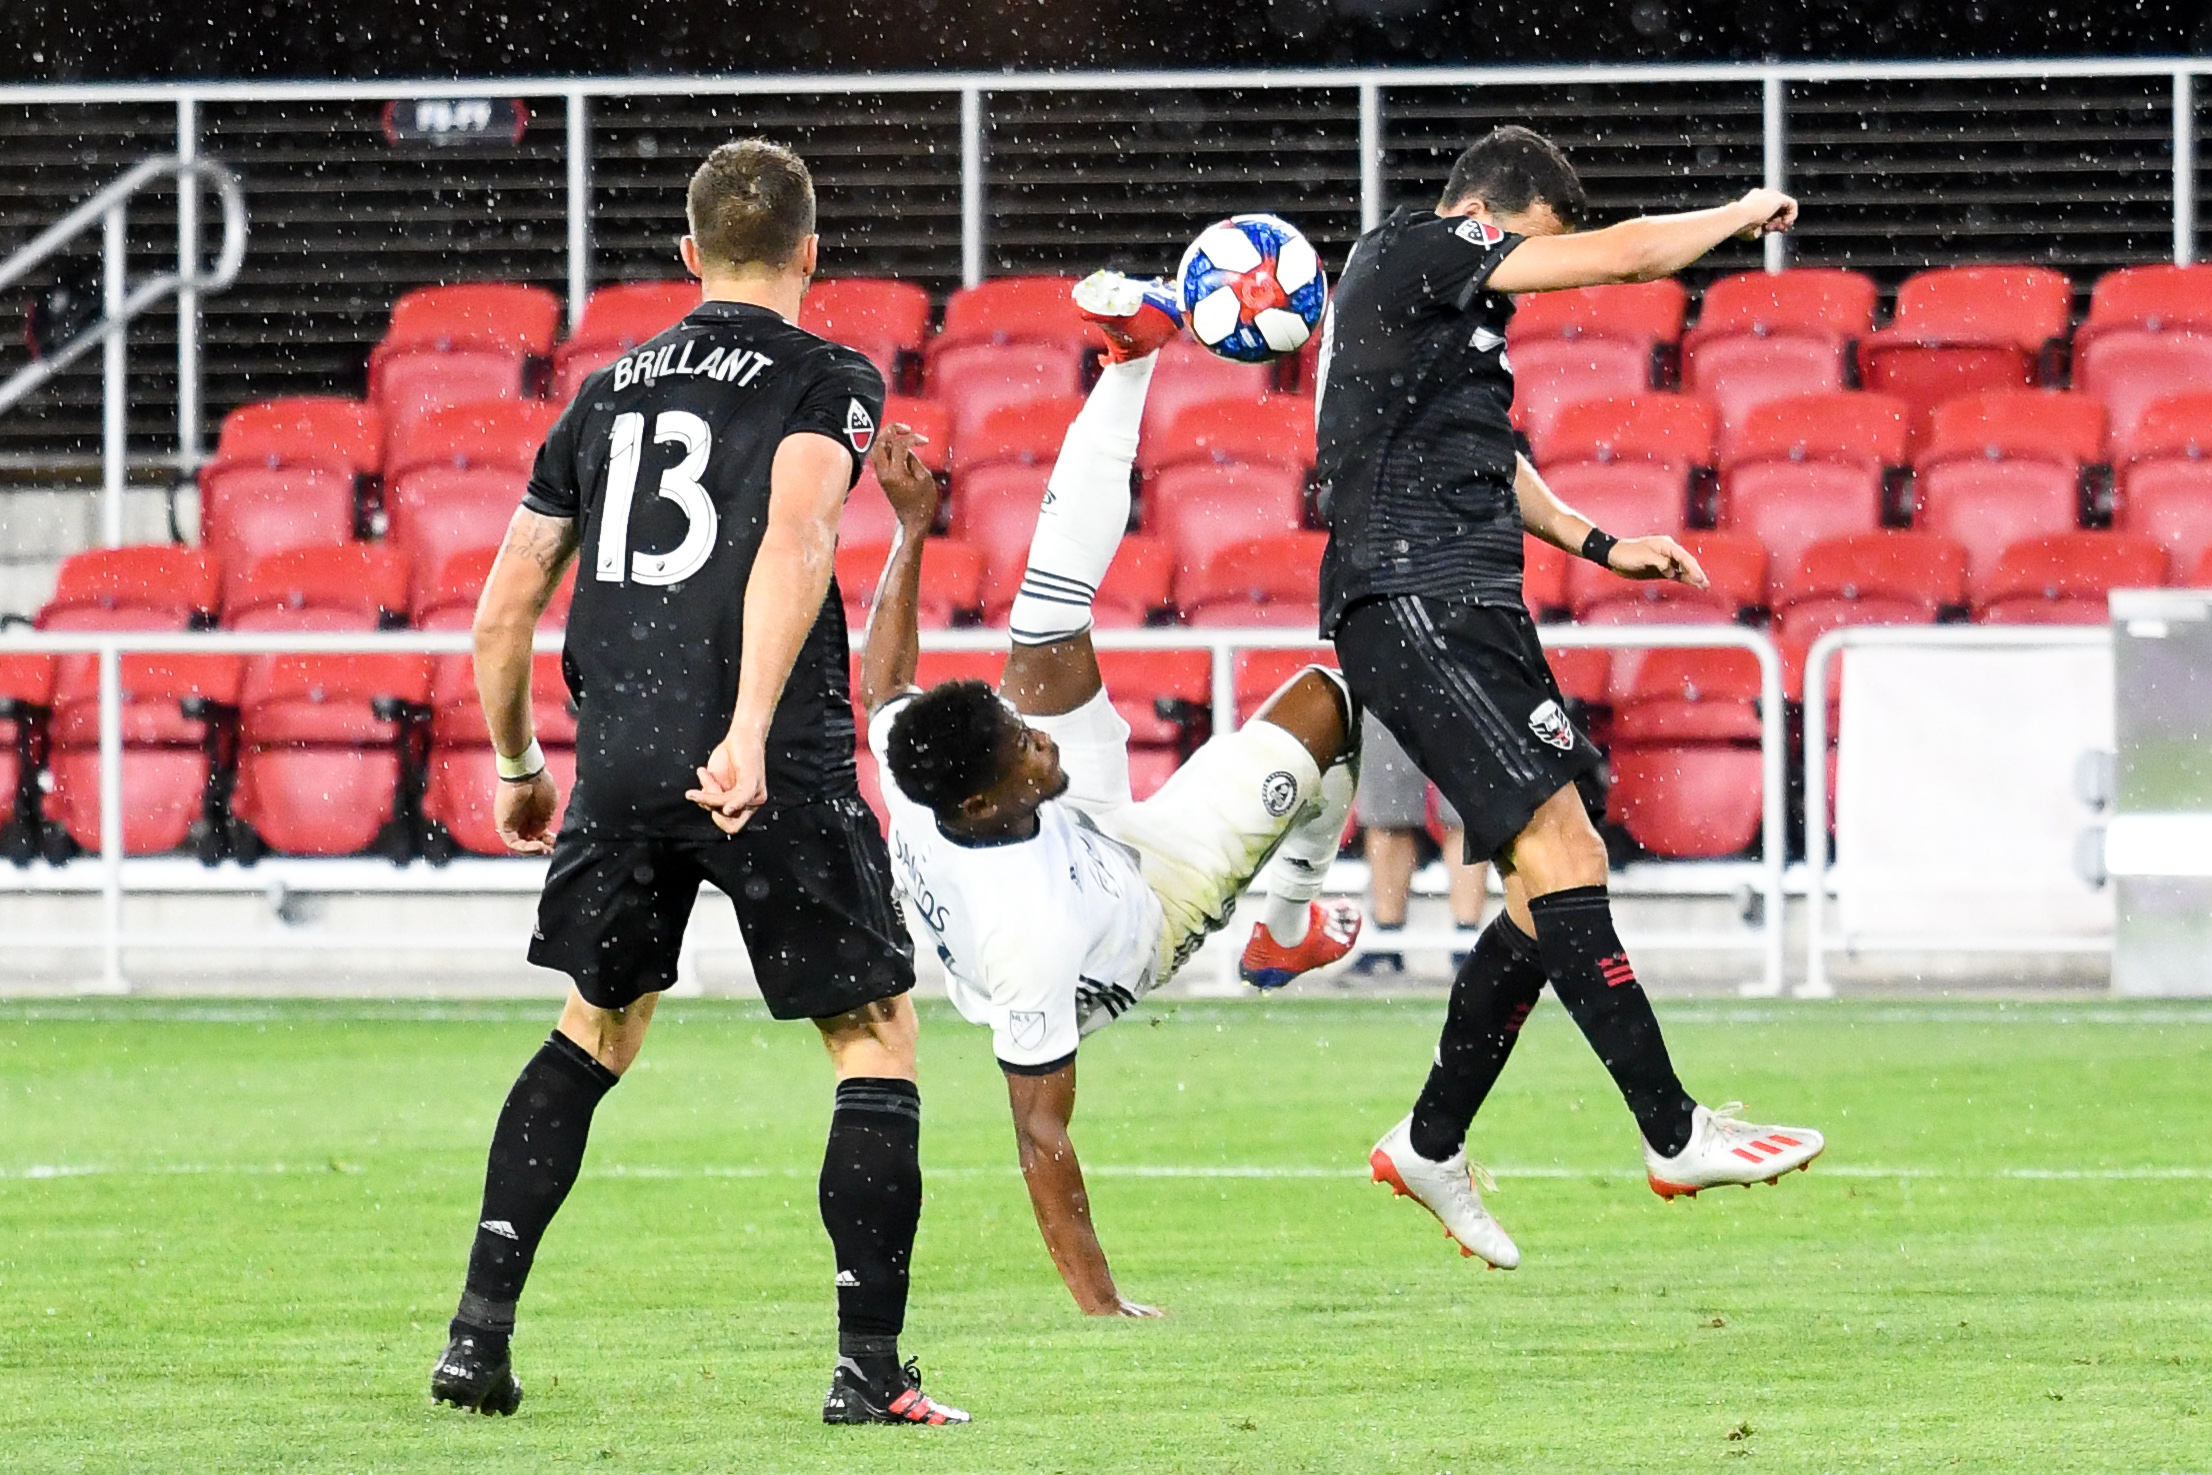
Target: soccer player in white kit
(1054, 901)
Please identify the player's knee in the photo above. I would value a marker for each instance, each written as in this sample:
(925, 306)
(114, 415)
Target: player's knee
(1314, 708)
(1560, 848)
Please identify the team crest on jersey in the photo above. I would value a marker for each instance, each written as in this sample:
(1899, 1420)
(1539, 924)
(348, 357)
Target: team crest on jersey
(860, 427)
(1478, 233)
(1550, 724)
(1027, 1026)
(1279, 791)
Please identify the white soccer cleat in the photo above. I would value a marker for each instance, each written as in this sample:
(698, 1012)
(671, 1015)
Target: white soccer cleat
(1447, 1190)
(1722, 1150)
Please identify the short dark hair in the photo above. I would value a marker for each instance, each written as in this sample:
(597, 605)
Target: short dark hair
(1510, 169)
(946, 746)
(751, 202)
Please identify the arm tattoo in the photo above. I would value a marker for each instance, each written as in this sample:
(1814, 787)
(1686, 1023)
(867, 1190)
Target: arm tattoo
(548, 542)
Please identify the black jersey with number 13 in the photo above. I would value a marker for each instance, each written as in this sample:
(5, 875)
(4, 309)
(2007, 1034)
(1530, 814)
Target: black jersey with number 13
(664, 462)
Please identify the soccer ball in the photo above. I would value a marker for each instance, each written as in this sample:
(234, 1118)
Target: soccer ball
(1251, 288)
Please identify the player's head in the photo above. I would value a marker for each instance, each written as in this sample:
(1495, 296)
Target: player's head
(967, 755)
(1521, 182)
(751, 212)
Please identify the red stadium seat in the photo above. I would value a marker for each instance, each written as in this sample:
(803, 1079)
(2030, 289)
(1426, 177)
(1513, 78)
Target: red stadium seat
(1274, 580)
(973, 381)
(1031, 310)
(1680, 695)
(1735, 565)
(2036, 425)
(1026, 434)
(868, 517)
(1667, 429)
(2175, 429)
(499, 435)
(2202, 578)
(2131, 369)
(464, 776)
(341, 435)
(168, 739)
(1629, 499)
(459, 583)
(886, 320)
(366, 580)
(2169, 502)
(1648, 314)
(2064, 580)
(1688, 800)
(501, 315)
(1589, 343)
(170, 587)
(1149, 768)
(617, 318)
(1543, 577)
(1188, 374)
(995, 511)
(1584, 673)
(1824, 302)
(1140, 681)
(319, 762)
(1811, 467)
(952, 582)
(1878, 578)
(1550, 374)
(437, 512)
(1958, 329)
(2005, 466)
(1738, 373)
(1202, 509)
(2156, 299)
(1273, 430)
(1262, 673)
(413, 385)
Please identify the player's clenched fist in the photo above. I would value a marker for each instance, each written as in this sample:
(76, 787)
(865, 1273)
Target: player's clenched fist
(523, 811)
(1772, 212)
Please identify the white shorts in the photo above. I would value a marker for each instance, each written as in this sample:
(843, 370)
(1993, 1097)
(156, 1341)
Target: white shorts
(1211, 827)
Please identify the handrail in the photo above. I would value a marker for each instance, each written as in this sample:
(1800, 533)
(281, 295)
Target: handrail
(124, 302)
(1824, 650)
(111, 646)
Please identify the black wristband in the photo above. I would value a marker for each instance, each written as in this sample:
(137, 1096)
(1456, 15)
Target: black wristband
(1598, 548)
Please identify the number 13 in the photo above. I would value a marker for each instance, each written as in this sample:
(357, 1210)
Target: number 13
(679, 484)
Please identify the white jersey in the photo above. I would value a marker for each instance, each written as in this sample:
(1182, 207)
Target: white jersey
(1042, 939)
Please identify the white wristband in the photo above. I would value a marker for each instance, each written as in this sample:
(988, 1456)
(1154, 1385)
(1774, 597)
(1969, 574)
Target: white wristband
(525, 766)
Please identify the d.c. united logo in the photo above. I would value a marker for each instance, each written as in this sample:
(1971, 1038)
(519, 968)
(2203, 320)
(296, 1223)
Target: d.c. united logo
(1550, 724)
(860, 426)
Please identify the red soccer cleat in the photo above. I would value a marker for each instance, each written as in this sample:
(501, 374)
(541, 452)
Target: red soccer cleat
(1331, 929)
(1136, 317)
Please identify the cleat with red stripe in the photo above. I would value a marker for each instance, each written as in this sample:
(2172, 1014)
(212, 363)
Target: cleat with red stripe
(1331, 929)
(1723, 1150)
(1447, 1190)
(852, 1401)
(1137, 317)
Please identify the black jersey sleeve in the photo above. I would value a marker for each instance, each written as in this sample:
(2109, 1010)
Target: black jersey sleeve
(1447, 261)
(844, 401)
(553, 490)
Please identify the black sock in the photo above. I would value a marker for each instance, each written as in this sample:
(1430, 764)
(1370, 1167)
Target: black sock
(1591, 974)
(1491, 996)
(537, 1150)
(871, 1194)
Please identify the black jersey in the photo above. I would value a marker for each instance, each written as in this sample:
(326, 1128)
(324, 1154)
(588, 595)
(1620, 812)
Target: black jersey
(664, 460)
(1416, 437)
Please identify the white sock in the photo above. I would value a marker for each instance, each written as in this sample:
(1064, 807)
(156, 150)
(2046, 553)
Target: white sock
(1086, 508)
(1293, 877)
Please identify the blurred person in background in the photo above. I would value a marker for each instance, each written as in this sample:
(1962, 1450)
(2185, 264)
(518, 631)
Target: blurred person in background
(1393, 808)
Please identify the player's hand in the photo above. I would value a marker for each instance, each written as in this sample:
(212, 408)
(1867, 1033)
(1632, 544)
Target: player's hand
(1656, 558)
(523, 813)
(1776, 212)
(909, 486)
(734, 783)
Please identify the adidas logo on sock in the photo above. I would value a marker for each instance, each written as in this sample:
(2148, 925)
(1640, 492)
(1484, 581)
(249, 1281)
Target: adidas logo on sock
(501, 1228)
(847, 1280)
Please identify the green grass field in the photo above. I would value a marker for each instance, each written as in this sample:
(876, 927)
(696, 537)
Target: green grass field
(230, 1236)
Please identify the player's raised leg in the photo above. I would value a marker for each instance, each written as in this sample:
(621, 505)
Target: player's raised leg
(1297, 932)
(536, 1153)
(1052, 669)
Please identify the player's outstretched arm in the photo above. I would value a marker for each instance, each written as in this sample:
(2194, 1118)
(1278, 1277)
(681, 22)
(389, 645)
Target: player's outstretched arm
(1552, 520)
(894, 642)
(1640, 250)
(523, 578)
(1043, 1106)
(783, 598)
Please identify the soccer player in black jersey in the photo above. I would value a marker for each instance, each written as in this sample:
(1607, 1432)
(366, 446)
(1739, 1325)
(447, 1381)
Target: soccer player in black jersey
(1427, 495)
(701, 477)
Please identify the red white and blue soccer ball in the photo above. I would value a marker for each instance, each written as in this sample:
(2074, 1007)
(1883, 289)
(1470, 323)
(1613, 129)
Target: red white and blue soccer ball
(1251, 288)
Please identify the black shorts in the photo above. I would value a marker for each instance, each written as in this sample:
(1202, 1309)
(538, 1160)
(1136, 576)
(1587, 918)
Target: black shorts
(811, 885)
(1465, 688)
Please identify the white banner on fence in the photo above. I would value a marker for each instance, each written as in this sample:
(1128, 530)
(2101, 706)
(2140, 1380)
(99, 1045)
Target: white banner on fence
(1956, 812)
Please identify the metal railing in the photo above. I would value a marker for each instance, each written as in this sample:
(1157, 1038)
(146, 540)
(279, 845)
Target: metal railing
(1825, 650)
(121, 302)
(113, 939)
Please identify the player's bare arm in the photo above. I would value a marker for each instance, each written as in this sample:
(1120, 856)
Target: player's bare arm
(523, 577)
(1548, 518)
(783, 597)
(1640, 250)
(1043, 1106)
(893, 648)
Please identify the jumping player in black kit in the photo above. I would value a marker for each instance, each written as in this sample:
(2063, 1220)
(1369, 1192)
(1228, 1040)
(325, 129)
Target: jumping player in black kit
(702, 477)
(1427, 495)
